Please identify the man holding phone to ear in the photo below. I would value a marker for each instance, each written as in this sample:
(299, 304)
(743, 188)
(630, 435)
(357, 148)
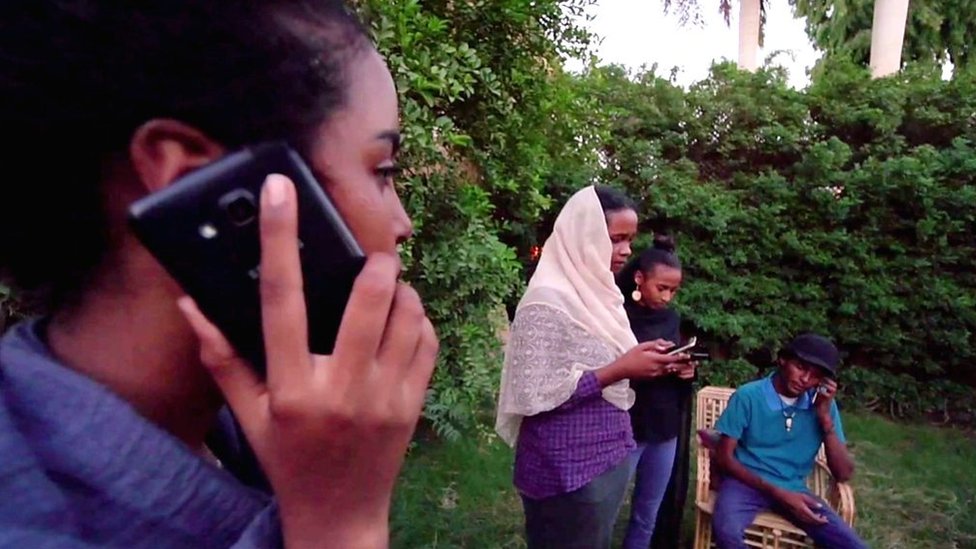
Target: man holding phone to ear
(771, 432)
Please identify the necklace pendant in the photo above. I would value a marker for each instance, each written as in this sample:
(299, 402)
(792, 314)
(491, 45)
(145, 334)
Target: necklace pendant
(789, 424)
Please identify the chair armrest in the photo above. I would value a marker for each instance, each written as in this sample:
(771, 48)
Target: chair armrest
(841, 498)
(703, 484)
(839, 495)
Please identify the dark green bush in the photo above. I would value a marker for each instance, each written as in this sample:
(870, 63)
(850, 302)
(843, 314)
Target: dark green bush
(486, 112)
(847, 209)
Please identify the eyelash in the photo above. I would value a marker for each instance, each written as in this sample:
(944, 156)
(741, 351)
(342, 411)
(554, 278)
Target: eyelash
(389, 173)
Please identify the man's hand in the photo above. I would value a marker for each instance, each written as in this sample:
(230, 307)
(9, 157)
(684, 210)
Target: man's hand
(825, 396)
(802, 507)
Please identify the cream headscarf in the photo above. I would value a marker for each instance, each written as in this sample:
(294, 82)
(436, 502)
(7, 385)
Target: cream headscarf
(573, 278)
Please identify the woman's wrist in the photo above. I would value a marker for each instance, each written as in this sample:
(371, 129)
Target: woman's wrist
(326, 529)
(609, 374)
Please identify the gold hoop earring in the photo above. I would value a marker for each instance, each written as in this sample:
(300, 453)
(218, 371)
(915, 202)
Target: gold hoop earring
(635, 295)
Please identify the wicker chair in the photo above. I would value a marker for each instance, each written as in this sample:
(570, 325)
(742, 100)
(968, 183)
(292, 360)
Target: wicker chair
(769, 530)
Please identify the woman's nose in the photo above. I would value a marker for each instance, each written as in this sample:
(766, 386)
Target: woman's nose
(402, 225)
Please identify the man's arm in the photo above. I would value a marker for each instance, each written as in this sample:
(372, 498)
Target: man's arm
(839, 459)
(803, 507)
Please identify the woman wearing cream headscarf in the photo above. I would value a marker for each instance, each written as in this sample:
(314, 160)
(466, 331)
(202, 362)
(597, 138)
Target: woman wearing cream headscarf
(564, 390)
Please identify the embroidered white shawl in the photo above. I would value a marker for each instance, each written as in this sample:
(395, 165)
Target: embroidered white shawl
(570, 320)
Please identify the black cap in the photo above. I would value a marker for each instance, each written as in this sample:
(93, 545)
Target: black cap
(816, 350)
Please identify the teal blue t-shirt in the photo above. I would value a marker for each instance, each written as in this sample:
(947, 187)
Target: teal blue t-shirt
(756, 418)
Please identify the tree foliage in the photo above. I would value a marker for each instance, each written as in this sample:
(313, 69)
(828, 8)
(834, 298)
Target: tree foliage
(848, 209)
(936, 30)
(690, 12)
(487, 113)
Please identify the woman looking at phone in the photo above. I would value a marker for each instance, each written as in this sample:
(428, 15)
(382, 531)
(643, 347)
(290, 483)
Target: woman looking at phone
(564, 391)
(107, 398)
(662, 411)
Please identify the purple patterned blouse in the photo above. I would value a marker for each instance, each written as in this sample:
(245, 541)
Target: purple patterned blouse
(562, 449)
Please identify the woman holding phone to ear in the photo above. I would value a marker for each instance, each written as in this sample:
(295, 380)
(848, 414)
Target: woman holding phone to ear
(662, 410)
(110, 397)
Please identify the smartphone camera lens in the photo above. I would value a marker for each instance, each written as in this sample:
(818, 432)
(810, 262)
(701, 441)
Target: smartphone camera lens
(240, 207)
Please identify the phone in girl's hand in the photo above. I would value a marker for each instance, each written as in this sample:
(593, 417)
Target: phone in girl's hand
(689, 345)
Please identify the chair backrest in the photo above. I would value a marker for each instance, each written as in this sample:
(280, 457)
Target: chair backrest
(712, 401)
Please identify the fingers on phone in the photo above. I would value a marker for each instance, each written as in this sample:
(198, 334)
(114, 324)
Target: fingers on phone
(661, 345)
(815, 518)
(283, 314)
(424, 359)
(648, 346)
(403, 328)
(233, 375)
(814, 509)
(365, 319)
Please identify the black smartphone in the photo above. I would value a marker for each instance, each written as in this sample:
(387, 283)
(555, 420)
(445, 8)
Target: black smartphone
(203, 229)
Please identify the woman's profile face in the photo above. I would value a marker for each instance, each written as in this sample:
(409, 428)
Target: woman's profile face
(622, 226)
(355, 152)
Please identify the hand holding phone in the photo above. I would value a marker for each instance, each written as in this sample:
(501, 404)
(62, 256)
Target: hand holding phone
(203, 229)
(689, 345)
(686, 370)
(330, 432)
(803, 507)
(824, 392)
(646, 360)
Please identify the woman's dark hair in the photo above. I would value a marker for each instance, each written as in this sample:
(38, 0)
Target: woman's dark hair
(78, 77)
(661, 252)
(612, 199)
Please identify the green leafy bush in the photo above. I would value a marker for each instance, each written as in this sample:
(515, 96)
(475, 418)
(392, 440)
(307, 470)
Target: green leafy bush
(847, 209)
(485, 113)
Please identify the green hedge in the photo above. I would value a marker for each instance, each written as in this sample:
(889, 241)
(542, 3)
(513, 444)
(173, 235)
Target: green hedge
(487, 115)
(847, 208)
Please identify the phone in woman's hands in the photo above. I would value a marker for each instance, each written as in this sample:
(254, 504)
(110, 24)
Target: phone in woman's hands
(689, 345)
(203, 229)
(329, 430)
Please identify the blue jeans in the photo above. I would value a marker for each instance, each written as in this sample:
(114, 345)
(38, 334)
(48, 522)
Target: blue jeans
(581, 519)
(738, 504)
(654, 464)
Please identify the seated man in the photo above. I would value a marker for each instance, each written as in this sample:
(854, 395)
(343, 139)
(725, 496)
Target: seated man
(771, 433)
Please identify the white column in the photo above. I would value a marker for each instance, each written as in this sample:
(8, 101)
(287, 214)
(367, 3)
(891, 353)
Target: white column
(748, 34)
(887, 36)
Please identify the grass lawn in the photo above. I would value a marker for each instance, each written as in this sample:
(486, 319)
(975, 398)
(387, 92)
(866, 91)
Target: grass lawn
(915, 488)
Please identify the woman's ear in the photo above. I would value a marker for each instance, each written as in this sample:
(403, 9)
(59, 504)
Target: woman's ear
(162, 150)
(638, 277)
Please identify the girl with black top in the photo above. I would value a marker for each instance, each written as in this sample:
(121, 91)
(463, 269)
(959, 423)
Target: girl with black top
(661, 414)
